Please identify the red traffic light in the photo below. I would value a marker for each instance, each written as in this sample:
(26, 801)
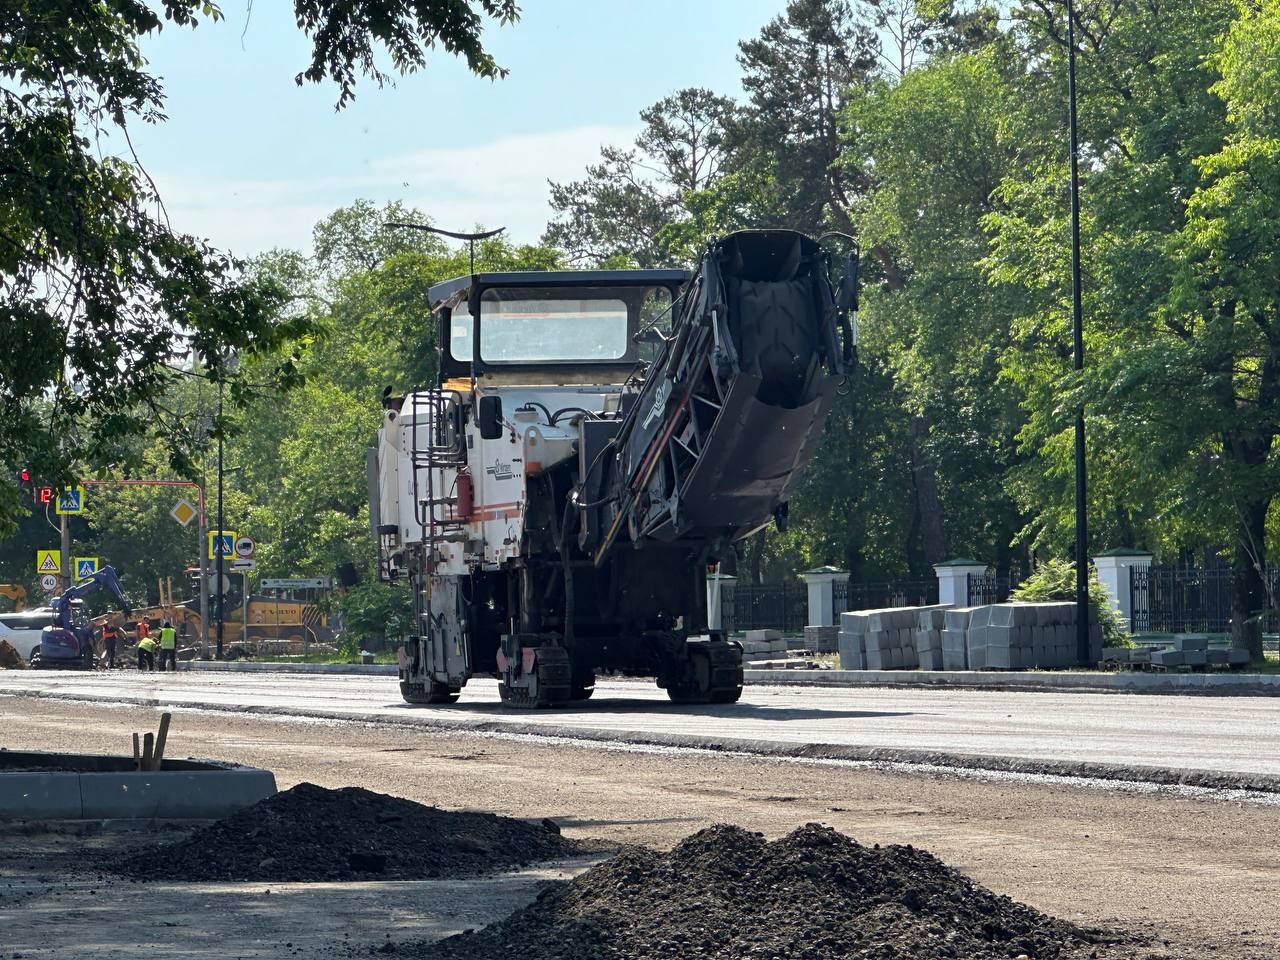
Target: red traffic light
(26, 476)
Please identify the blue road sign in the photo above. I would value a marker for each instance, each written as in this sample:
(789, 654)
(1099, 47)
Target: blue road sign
(70, 501)
(86, 567)
(222, 543)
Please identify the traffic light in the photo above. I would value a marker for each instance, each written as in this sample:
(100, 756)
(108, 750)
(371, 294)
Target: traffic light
(23, 480)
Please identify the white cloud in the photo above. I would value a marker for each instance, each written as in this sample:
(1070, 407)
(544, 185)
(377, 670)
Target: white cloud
(499, 183)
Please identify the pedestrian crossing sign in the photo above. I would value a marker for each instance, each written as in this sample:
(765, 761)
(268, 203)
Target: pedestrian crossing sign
(86, 567)
(222, 543)
(70, 501)
(48, 561)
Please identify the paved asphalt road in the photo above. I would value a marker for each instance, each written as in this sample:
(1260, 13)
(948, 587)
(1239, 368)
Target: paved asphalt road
(1232, 734)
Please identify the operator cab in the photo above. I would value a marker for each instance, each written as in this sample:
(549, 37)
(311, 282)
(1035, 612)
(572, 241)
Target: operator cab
(550, 328)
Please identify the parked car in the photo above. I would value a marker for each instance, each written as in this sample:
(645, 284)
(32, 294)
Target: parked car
(22, 630)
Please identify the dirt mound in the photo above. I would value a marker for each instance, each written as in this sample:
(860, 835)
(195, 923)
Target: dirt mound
(728, 894)
(309, 833)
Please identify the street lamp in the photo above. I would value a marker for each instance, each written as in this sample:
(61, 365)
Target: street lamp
(1077, 324)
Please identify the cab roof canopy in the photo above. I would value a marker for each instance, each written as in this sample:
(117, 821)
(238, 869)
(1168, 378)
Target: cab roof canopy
(463, 357)
(553, 278)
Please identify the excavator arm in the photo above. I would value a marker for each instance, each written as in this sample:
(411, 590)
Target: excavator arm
(104, 577)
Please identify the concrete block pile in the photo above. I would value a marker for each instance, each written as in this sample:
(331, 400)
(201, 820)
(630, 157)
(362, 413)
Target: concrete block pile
(931, 623)
(760, 645)
(1020, 636)
(955, 637)
(853, 626)
(882, 639)
(1193, 650)
(821, 639)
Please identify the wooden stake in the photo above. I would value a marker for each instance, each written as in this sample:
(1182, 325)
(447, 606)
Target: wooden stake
(161, 737)
(148, 743)
(137, 754)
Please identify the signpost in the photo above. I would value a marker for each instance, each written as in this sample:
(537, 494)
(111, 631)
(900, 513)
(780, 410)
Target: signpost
(49, 582)
(245, 547)
(86, 567)
(49, 561)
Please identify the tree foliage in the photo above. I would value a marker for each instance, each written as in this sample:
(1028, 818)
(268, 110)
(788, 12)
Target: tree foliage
(100, 299)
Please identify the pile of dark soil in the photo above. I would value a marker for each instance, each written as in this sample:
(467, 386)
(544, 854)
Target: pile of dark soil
(309, 833)
(728, 894)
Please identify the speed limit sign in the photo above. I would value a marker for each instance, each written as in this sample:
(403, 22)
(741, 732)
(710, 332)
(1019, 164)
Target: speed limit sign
(49, 583)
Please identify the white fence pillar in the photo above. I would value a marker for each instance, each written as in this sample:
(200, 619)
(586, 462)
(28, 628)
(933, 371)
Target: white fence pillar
(953, 580)
(719, 590)
(1113, 568)
(822, 603)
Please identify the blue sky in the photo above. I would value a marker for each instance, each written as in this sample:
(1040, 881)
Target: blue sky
(250, 161)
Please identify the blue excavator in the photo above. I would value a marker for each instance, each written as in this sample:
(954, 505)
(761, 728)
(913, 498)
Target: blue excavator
(68, 642)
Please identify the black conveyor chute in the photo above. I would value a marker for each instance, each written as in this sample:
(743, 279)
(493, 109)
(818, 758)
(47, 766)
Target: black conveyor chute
(732, 409)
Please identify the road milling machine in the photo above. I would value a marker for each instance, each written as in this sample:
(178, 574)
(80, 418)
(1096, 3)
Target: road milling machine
(596, 441)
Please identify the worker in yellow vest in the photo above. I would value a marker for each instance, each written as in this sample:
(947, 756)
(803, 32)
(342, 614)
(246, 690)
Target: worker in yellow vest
(168, 646)
(146, 654)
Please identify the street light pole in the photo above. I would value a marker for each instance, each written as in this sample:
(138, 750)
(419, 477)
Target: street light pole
(1077, 324)
(221, 595)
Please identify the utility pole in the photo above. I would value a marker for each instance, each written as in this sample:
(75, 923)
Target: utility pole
(65, 529)
(218, 551)
(1077, 324)
(203, 553)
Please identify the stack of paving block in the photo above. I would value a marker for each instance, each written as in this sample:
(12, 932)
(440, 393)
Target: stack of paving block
(1020, 636)
(1193, 650)
(928, 637)
(1189, 650)
(760, 645)
(821, 639)
(880, 639)
(853, 626)
(955, 633)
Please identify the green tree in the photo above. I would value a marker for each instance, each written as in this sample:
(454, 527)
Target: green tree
(1180, 244)
(934, 146)
(624, 203)
(100, 298)
(798, 74)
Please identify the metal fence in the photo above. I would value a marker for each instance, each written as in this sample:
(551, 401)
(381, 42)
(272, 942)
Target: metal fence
(1186, 599)
(757, 606)
(984, 588)
(889, 593)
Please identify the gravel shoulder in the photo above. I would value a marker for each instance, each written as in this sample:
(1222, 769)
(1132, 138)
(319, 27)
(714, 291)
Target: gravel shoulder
(1201, 873)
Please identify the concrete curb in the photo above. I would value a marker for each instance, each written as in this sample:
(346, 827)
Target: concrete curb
(183, 794)
(1219, 684)
(931, 762)
(1212, 684)
(248, 666)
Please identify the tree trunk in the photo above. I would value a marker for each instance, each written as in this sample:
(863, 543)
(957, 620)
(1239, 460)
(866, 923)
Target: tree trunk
(933, 539)
(1249, 599)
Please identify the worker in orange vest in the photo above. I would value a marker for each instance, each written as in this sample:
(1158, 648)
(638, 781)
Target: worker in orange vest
(110, 634)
